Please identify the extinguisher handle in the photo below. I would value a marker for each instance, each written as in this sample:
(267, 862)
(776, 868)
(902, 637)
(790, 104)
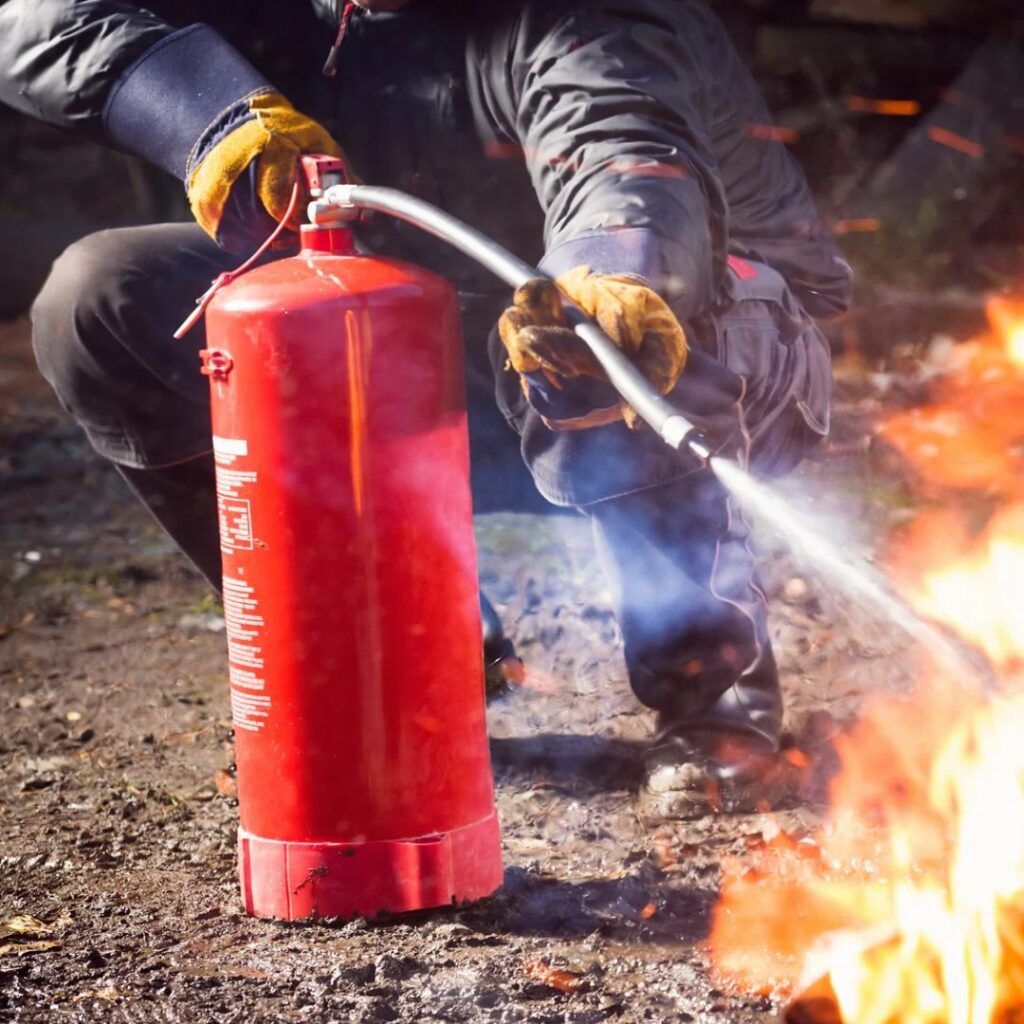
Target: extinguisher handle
(321, 172)
(340, 201)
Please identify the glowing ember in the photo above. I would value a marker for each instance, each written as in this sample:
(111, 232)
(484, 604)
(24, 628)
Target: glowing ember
(857, 225)
(954, 141)
(908, 906)
(890, 108)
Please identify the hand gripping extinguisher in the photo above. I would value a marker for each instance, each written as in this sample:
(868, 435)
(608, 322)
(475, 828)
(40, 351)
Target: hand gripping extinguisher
(350, 583)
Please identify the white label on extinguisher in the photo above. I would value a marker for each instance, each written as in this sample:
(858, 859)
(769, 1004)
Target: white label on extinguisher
(234, 486)
(249, 710)
(244, 627)
(236, 523)
(227, 449)
(234, 510)
(250, 705)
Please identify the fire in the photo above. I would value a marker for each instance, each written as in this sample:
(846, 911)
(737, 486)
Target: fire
(1008, 320)
(981, 594)
(971, 434)
(907, 906)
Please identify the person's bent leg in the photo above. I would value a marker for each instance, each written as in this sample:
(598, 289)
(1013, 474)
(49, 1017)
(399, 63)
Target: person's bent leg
(183, 500)
(693, 620)
(102, 331)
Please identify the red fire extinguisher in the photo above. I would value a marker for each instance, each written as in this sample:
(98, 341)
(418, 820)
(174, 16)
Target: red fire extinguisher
(350, 585)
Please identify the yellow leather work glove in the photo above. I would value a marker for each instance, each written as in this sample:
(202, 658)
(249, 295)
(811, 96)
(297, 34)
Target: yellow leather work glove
(546, 353)
(271, 139)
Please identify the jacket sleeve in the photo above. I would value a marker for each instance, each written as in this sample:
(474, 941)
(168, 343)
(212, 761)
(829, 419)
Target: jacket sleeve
(120, 74)
(59, 58)
(610, 108)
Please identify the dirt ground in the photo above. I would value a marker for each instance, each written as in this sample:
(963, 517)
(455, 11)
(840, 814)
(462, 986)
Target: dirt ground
(116, 788)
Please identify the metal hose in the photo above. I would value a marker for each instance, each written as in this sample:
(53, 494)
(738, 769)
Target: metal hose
(674, 428)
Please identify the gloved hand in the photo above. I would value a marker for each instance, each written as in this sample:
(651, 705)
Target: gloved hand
(547, 354)
(240, 180)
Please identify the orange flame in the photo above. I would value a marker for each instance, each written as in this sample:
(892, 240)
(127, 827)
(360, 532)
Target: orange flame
(972, 434)
(980, 593)
(907, 907)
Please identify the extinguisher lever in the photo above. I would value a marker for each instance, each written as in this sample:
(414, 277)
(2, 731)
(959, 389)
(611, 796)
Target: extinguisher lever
(321, 172)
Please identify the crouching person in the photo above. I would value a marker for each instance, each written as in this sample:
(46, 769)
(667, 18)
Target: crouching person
(623, 142)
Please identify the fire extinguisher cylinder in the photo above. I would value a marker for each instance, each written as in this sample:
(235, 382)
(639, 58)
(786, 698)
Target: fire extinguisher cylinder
(350, 586)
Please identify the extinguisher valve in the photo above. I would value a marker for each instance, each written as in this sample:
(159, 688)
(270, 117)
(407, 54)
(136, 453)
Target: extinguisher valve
(322, 173)
(333, 207)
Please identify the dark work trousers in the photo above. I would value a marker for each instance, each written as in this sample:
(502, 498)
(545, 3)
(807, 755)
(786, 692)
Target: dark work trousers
(691, 614)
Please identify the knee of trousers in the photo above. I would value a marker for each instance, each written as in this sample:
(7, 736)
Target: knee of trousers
(73, 314)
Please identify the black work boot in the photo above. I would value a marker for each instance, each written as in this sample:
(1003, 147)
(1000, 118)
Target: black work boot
(723, 761)
(695, 637)
(502, 667)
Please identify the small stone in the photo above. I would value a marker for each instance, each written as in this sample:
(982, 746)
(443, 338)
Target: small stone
(352, 975)
(208, 622)
(488, 997)
(95, 959)
(36, 783)
(376, 1010)
(452, 933)
(390, 968)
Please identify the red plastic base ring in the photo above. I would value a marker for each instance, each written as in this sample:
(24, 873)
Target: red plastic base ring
(293, 881)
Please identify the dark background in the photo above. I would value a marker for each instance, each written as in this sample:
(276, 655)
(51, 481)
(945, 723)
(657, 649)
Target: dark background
(914, 213)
